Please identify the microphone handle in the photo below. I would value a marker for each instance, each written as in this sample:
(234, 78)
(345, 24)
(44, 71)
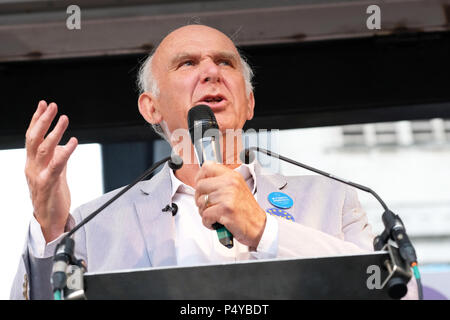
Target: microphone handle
(209, 149)
(225, 236)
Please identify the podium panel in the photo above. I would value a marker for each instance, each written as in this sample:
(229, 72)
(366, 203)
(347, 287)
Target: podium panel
(337, 277)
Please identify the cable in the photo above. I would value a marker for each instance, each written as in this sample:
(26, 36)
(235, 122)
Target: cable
(323, 173)
(57, 295)
(93, 214)
(415, 268)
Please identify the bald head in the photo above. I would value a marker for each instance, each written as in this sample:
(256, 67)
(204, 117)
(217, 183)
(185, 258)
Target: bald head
(194, 34)
(195, 64)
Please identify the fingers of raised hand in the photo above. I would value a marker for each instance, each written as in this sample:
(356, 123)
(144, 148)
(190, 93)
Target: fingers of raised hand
(39, 125)
(45, 159)
(46, 149)
(48, 174)
(61, 156)
(42, 106)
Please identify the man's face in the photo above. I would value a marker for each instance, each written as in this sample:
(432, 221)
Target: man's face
(200, 65)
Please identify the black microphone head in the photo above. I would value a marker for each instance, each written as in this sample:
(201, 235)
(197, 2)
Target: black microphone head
(247, 156)
(200, 119)
(175, 162)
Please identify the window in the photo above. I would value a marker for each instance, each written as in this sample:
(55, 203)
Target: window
(84, 175)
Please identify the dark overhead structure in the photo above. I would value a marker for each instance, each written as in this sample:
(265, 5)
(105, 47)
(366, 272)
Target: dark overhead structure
(316, 63)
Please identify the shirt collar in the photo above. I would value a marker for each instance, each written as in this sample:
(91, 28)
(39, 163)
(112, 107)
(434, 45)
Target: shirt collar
(246, 170)
(179, 186)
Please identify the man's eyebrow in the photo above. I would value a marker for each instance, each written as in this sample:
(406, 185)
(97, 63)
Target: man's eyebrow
(226, 55)
(215, 55)
(181, 56)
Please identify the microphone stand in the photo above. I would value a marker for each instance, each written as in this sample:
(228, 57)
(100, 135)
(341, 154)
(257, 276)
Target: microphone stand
(67, 271)
(403, 257)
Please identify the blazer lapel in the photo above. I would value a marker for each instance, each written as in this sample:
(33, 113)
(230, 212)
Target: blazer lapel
(267, 183)
(157, 227)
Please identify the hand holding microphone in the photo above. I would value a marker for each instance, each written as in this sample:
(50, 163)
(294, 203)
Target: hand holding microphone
(231, 206)
(230, 202)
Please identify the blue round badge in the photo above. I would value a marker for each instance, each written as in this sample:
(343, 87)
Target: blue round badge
(280, 213)
(280, 200)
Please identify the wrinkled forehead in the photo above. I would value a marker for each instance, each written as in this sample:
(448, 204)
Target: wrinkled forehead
(195, 40)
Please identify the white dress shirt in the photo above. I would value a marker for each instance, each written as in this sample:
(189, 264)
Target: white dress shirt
(195, 244)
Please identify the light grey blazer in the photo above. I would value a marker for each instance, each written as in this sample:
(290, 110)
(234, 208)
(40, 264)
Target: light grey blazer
(133, 232)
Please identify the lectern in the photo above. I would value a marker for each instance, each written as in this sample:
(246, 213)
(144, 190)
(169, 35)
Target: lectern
(337, 277)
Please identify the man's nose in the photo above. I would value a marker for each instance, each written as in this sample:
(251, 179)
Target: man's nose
(210, 72)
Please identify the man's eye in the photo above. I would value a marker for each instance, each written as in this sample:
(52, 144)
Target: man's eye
(187, 63)
(225, 63)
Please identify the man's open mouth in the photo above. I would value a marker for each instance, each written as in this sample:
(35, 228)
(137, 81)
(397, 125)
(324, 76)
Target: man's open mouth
(212, 99)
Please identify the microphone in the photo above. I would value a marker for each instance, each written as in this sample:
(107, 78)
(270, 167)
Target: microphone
(64, 252)
(394, 227)
(205, 135)
(172, 208)
(64, 256)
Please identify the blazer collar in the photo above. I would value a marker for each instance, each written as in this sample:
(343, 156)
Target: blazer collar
(154, 184)
(269, 179)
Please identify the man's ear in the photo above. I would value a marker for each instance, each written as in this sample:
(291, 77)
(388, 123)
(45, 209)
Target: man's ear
(250, 106)
(147, 108)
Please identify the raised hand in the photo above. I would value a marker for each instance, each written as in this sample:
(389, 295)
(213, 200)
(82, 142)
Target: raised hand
(45, 169)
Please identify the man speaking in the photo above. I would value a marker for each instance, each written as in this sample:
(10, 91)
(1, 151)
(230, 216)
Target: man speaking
(193, 65)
